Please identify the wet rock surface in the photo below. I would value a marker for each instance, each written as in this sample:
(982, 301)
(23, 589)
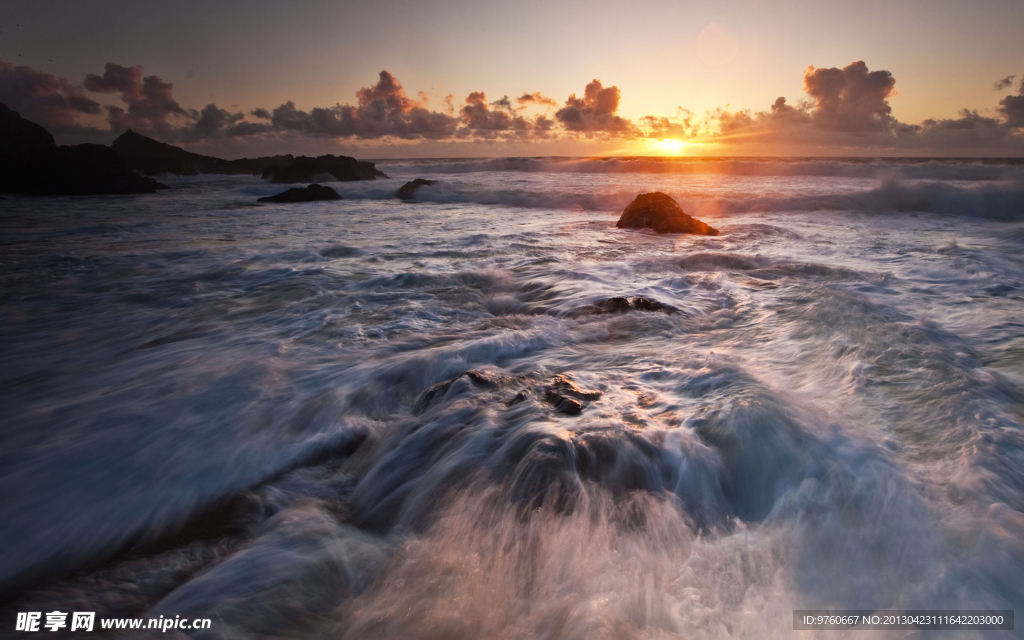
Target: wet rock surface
(312, 193)
(624, 304)
(560, 392)
(566, 397)
(478, 378)
(408, 190)
(661, 213)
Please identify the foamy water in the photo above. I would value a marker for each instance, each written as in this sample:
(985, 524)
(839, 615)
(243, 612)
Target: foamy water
(220, 409)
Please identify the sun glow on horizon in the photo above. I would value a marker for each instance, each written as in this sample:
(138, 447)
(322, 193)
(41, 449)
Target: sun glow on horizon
(672, 146)
(667, 146)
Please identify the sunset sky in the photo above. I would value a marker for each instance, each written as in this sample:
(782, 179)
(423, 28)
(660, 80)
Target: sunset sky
(938, 77)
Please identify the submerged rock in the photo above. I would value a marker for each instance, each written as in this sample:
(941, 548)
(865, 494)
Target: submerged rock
(341, 168)
(478, 378)
(634, 303)
(560, 392)
(659, 212)
(32, 163)
(621, 304)
(312, 193)
(566, 397)
(408, 190)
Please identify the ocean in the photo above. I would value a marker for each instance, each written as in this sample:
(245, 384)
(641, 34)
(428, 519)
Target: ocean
(336, 419)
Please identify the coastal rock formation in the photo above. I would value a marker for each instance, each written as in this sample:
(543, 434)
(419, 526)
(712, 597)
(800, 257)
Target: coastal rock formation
(32, 163)
(480, 379)
(408, 190)
(152, 157)
(92, 169)
(341, 168)
(566, 397)
(312, 193)
(560, 392)
(634, 303)
(621, 304)
(659, 212)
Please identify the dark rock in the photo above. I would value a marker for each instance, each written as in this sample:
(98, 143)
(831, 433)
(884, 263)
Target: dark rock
(312, 193)
(519, 397)
(566, 405)
(560, 392)
(31, 163)
(21, 137)
(408, 190)
(659, 212)
(566, 397)
(152, 157)
(634, 303)
(478, 378)
(624, 305)
(93, 169)
(341, 168)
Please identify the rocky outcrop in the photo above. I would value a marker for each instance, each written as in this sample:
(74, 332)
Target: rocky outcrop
(341, 168)
(408, 190)
(560, 392)
(634, 303)
(312, 193)
(623, 305)
(93, 169)
(26, 148)
(32, 163)
(659, 212)
(154, 158)
(480, 379)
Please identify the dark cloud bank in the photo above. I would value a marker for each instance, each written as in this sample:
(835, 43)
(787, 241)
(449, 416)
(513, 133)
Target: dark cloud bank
(844, 109)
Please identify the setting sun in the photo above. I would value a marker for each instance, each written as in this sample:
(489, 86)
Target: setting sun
(671, 145)
(667, 146)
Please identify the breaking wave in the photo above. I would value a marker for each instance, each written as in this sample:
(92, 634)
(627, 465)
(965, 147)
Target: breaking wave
(993, 200)
(910, 169)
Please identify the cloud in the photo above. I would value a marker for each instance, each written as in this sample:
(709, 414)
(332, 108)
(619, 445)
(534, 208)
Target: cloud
(45, 99)
(595, 112)
(968, 120)
(999, 85)
(848, 108)
(382, 110)
(150, 101)
(851, 98)
(1012, 107)
(386, 96)
(684, 126)
(535, 98)
(503, 103)
(481, 121)
(213, 122)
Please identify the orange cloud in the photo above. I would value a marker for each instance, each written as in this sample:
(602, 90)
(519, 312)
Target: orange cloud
(535, 98)
(595, 112)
